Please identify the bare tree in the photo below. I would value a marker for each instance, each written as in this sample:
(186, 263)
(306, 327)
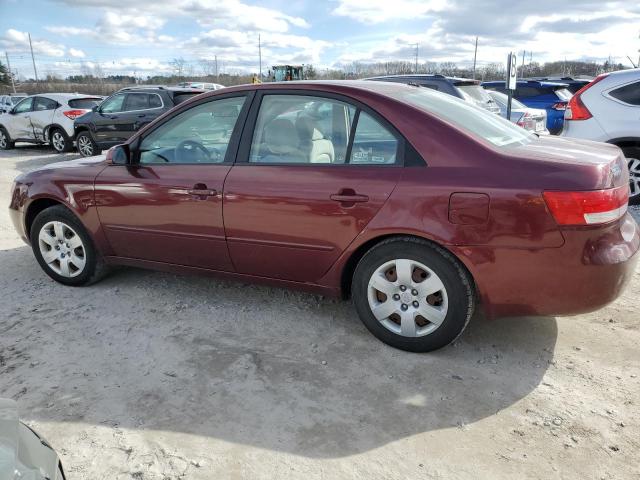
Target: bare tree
(178, 65)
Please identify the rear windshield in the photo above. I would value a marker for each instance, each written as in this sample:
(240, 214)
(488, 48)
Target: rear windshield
(475, 92)
(182, 96)
(563, 94)
(84, 103)
(476, 121)
(502, 99)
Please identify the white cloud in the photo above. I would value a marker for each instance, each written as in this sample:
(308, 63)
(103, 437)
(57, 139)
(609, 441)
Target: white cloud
(14, 40)
(76, 53)
(377, 11)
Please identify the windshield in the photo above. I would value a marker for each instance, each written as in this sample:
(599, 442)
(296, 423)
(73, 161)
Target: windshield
(476, 121)
(15, 100)
(502, 99)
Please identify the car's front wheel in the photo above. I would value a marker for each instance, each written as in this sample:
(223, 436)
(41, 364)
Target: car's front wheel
(60, 141)
(412, 295)
(633, 161)
(5, 140)
(64, 248)
(86, 146)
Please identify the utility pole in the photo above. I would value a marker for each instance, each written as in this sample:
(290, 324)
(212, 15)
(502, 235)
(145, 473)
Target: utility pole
(35, 71)
(475, 55)
(215, 57)
(523, 53)
(417, 57)
(260, 55)
(13, 85)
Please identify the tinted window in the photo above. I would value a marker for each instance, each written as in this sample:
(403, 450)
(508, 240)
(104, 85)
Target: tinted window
(200, 134)
(181, 97)
(84, 103)
(373, 144)
(113, 104)
(43, 103)
(301, 129)
(478, 122)
(525, 92)
(628, 93)
(142, 101)
(24, 105)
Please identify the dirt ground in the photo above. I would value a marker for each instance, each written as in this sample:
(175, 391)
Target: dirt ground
(156, 376)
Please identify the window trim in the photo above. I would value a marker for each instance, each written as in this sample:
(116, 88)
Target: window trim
(242, 157)
(608, 95)
(126, 99)
(232, 147)
(33, 107)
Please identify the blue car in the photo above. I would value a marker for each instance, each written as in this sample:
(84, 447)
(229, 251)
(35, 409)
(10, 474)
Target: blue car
(550, 96)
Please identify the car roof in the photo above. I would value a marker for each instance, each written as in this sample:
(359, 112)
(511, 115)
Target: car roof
(64, 96)
(629, 74)
(524, 83)
(152, 88)
(425, 76)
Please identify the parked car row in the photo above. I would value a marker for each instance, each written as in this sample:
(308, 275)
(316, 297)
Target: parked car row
(94, 124)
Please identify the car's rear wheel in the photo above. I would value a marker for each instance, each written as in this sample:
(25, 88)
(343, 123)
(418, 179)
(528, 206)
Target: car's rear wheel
(5, 140)
(86, 146)
(64, 248)
(412, 295)
(633, 162)
(60, 141)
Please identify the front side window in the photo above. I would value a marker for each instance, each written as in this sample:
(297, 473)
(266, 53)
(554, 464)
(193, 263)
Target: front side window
(113, 104)
(43, 103)
(301, 129)
(15, 100)
(627, 93)
(200, 134)
(24, 105)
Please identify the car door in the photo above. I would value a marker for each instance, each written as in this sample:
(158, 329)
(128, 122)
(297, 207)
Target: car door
(166, 206)
(42, 115)
(19, 125)
(141, 108)
(109, 121)
(301, 192)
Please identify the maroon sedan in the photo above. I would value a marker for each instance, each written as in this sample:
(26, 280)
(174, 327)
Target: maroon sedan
(416, 204)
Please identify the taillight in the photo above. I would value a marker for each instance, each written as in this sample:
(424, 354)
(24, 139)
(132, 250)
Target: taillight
(73, 114)
(587, 207)
(527, 122)
(559, 106)
(576, 109)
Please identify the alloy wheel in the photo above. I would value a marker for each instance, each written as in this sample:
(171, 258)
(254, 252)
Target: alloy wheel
(634, 176)
(407, 298)
(58, 141)
(62, 249)
(85, 146)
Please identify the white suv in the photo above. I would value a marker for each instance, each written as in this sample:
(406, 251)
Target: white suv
(608, 110)
(45, 118)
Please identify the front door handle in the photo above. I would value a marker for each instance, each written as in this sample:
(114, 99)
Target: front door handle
(200, 190)
(348, 196)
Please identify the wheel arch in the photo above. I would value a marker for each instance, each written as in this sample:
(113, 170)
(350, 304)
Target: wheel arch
(35, 207)
(51, 127)
(624, 142)
(350, 264)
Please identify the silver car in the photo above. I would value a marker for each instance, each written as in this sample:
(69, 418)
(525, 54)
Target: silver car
(532, 119)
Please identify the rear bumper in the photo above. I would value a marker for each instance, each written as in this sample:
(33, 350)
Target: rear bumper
(589, 271)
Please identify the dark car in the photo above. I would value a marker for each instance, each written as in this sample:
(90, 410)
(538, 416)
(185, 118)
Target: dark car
(550, 96)
(465, 88)
(123, 113)
(416, 204)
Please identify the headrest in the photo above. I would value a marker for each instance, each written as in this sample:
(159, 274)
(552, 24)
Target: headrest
(280, 136)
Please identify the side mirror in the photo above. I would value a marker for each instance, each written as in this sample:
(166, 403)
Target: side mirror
(119, 155)
(95, 108)
(12, 111)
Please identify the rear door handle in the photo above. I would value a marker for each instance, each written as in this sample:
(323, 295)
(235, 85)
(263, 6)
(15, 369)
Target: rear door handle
(348, 195)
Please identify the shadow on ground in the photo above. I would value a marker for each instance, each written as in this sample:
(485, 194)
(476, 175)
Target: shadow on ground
(245, 364)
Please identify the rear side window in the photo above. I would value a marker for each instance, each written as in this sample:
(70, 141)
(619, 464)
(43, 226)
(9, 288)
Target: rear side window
(627, 93)
(84, 103)
(373, 144)
(142, 101)
(43, 103)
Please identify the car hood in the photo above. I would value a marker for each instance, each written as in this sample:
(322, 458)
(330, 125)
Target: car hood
(77, 163)
(79, 168)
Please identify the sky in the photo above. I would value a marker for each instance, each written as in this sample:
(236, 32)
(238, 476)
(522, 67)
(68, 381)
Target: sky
(142, 38)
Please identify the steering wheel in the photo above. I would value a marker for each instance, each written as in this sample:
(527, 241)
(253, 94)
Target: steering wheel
(186, 148)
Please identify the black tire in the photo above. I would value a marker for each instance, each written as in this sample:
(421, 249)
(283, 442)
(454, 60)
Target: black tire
(85, 140)
(60, 141)
(5, 140)
(456, 280)
(94, 267)
(633, 153)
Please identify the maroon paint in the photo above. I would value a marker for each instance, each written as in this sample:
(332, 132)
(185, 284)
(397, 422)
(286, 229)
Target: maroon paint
(283, 228)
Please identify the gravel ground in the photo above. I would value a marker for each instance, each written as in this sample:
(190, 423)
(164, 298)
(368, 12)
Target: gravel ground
(156, 376)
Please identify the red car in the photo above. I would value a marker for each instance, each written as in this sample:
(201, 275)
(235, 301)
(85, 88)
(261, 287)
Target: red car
(416, 204)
